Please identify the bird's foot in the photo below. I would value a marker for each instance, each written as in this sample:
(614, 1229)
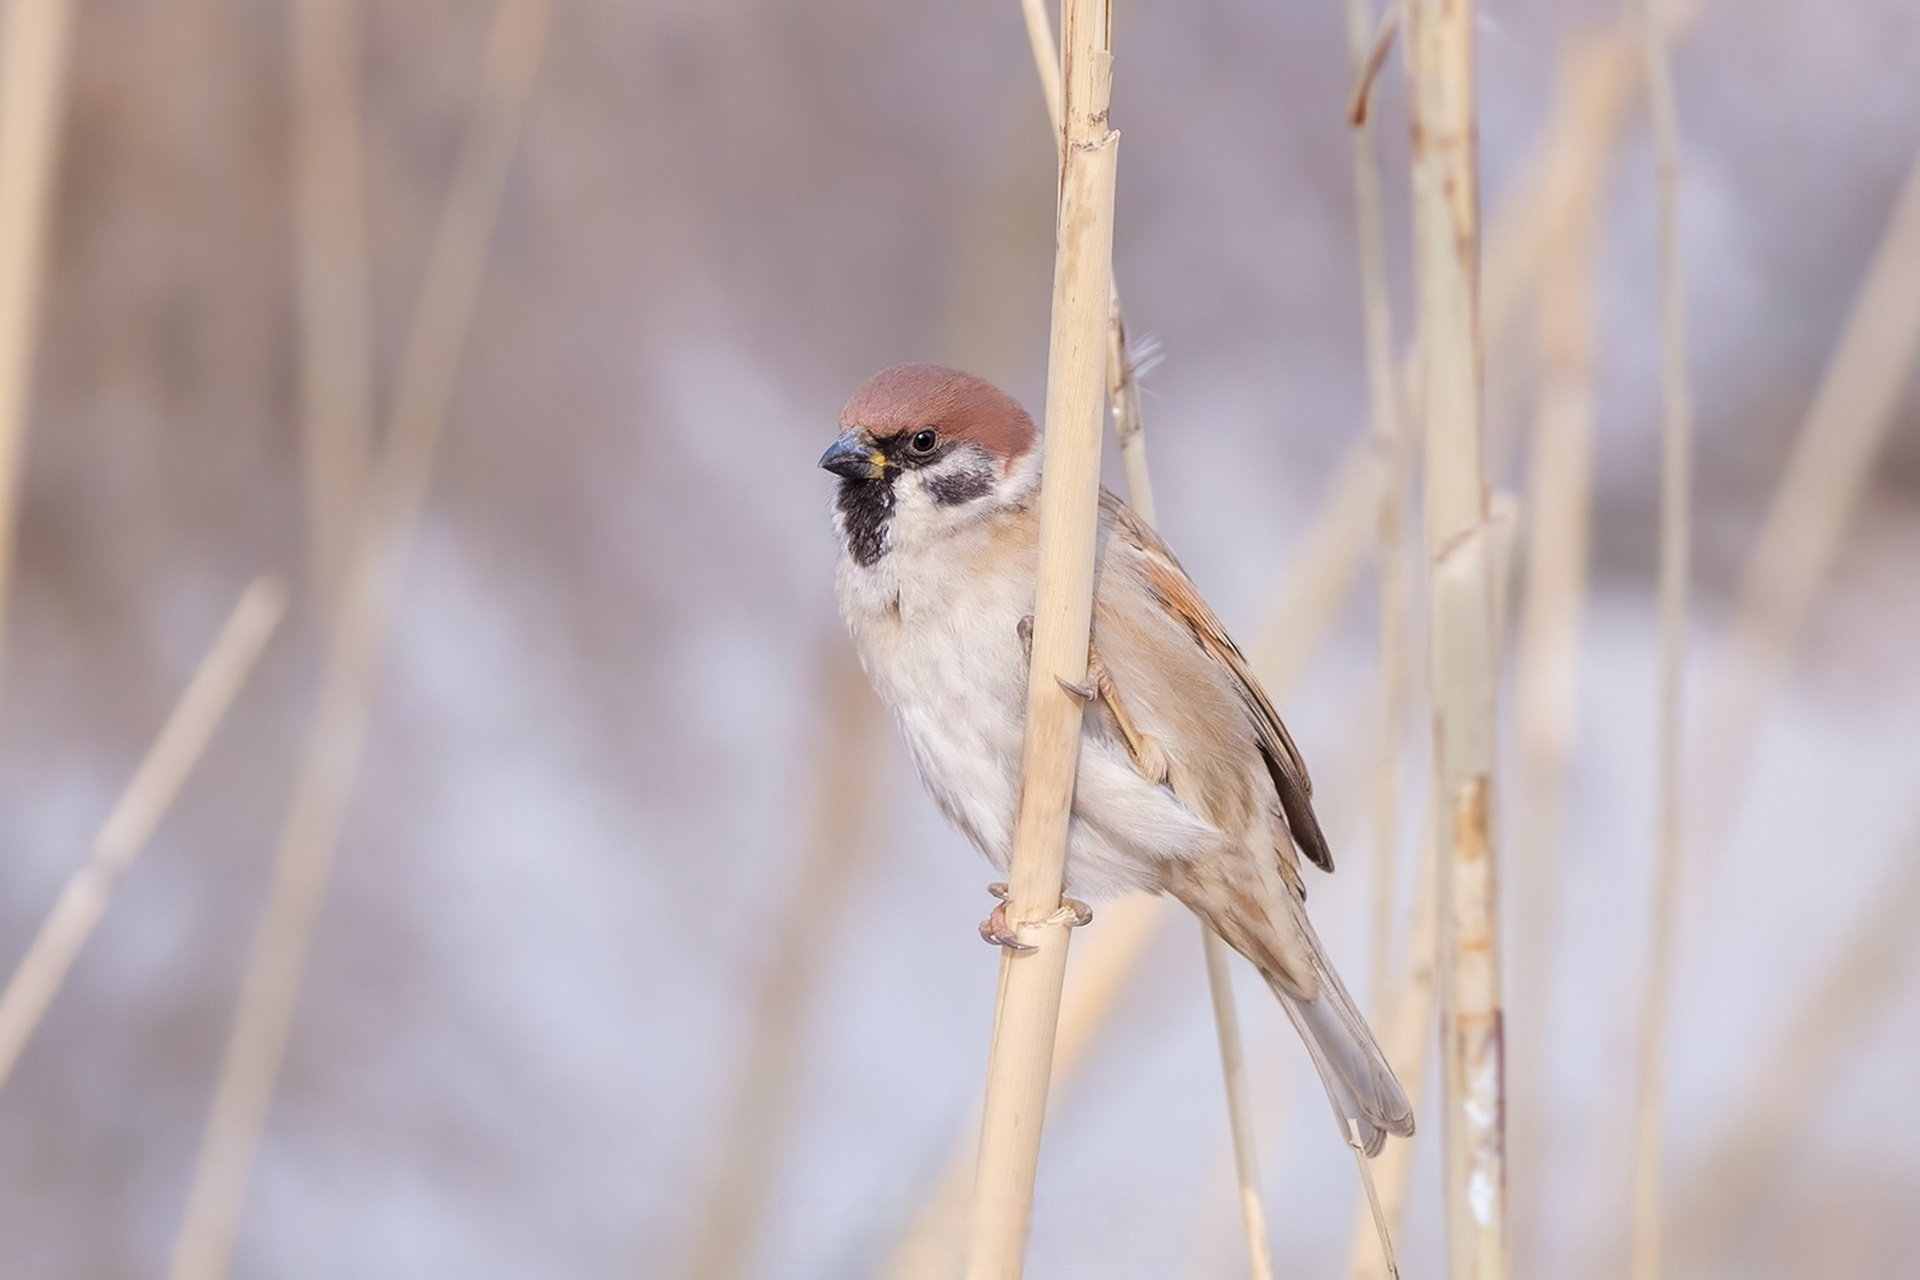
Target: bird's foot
(998, 930)
(1084, 692)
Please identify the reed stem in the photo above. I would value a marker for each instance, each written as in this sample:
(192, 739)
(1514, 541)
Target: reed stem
(1028, 1005)
(1463, 639)
(149, 794)
(33, 71)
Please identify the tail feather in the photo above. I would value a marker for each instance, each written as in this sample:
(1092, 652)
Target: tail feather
(1358, 1078)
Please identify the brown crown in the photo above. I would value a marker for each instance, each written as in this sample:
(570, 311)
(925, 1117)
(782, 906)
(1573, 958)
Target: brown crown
(958, 405)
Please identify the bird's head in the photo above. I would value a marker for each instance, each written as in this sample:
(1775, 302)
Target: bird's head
(923, 451)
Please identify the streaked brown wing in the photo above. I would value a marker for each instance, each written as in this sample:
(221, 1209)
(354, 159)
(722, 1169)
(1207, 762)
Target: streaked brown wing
(1176, 591)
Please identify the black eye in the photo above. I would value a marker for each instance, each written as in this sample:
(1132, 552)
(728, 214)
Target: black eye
(923, 441)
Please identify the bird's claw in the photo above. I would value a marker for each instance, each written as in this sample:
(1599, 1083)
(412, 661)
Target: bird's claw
(1079, 691)
(1024, 629)
(998, 930)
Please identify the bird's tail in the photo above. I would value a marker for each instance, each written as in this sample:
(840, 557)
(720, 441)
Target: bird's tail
(1359, 1080)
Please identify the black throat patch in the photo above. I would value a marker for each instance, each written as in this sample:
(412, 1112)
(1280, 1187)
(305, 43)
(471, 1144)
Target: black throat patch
(865, 508)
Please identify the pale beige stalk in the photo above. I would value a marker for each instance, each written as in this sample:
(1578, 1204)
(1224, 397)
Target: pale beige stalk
(1389, 443)
(332, 301)
(1123, 390)
(1102, 966)
(1123, 399)
(1409, 1028)
(1812, 508)
(1464, 642)
(1028, 1005)
(1233, 1067)
(455, 269)
(149, 794)
(1408, 1036)
(1676, 486)
(1553, 612)
(33, 72)
(1560, 496)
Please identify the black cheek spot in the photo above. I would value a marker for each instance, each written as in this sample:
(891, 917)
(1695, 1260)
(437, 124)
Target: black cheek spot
(955, 487)
(866, 506)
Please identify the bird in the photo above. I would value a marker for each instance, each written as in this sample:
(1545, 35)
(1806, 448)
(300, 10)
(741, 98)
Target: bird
(1188, 784)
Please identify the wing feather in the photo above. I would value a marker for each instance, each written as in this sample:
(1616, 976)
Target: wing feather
(1174, 589)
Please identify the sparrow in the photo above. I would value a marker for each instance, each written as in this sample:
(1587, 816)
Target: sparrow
(1188, 782)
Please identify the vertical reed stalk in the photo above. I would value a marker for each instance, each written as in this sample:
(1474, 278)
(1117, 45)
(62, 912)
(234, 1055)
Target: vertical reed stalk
(1844, 429)
(1028, 1005)
(1408, 1036)
(456, 266)
(336, 345)
(1233, 1067)
(1675, 538)
(1123, 397)
(1103, 965)
(1463, 637)
(33, 66)
(1388, 439)
(1552, 617)
(1123, 391)
(149, 794)
(1408, 1029)
(839, 838)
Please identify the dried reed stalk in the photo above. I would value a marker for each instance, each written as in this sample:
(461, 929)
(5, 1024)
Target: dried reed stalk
(1676, 485)
(455, 269)
(1560, 496)
(1800, 1069)
(1832, 457)
(1123, 390)
(1410, 1024)
(1408, 1038)
(1028, 1005)
(33, 67)
(1233, 1067)
(840, 836)
(333, 303)
(1463, 638)
(1388, 439)
(149, 794)
(1101, 968)
(1552, 617)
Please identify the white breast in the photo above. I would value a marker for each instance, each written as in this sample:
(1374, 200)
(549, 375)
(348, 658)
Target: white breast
(942, 649)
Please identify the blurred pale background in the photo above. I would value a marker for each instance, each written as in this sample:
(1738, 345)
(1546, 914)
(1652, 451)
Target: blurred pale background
(596, 743)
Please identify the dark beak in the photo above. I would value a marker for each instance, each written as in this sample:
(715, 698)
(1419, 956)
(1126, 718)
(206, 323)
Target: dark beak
(853, 458)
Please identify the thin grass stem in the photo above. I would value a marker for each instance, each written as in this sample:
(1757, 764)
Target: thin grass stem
(216, 682)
